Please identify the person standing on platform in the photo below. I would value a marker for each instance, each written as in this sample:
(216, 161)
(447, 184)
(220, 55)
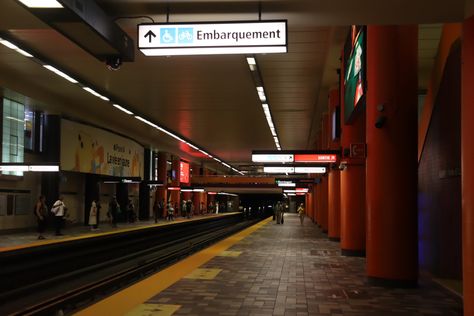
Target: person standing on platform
(113, 211)
(93, 215)
(278, 212)
(201, 208)
(41, 212)
(161, 207)
(300, 212)
(131, 212)
(170, 210)
(155, 210)
(189, 206)
(59, 211)
(98, 207)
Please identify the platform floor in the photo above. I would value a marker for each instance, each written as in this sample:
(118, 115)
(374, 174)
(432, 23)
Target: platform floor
(15, 240)
(276, 270)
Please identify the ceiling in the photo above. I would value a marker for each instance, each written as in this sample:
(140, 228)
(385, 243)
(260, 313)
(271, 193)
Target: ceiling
(210, 100)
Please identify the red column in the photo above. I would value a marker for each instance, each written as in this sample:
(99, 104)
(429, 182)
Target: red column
(334, 177)
(324, 181)
(467, 158)
(352, 188)
(197, 196)
(392, 164)
(160, 193)
(175, 195)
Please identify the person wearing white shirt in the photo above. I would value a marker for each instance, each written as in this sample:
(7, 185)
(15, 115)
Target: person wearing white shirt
(58, 210)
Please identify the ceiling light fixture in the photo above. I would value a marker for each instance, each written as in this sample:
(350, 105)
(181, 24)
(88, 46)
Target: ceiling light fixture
(60, 73)
(15, 48)
(122, 109)
(44, 4)
(263, 98)
(93, 92)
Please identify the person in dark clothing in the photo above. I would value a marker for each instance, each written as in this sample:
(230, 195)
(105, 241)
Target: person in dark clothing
(155, 210)
(189, 206)
(41, 212)
(113, 211)
(131, 212)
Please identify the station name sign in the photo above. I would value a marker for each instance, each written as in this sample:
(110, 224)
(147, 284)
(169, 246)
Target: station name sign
(168, 39)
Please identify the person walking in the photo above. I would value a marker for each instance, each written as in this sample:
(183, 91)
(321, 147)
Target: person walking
(93, 215)
(59, 211)
(41, 212)
(300, 212)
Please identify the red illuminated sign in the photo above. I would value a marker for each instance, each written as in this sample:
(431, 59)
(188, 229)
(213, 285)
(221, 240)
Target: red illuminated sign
(183, 172)
(321, 158)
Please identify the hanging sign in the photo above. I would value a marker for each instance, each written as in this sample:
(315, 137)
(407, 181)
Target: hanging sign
(168, 39)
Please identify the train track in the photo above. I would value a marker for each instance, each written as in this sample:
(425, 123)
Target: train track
(92, 269)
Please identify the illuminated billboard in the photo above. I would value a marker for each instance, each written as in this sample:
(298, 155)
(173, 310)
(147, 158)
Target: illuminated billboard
(183, 172)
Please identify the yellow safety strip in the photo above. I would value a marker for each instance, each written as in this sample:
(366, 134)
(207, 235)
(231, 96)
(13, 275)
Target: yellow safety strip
(125, 300)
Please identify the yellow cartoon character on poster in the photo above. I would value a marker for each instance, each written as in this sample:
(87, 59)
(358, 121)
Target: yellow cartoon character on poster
(89, 155)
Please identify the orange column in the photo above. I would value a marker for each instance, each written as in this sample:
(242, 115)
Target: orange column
(314, 206)
(334, 177)
(352, 188)
(467, 157)
(392, 164)
(160, 193)
(308, 206)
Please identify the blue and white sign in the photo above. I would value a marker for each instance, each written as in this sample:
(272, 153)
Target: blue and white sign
(167, 39)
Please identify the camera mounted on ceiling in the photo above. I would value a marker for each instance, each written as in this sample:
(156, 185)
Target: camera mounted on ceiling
(113, 62)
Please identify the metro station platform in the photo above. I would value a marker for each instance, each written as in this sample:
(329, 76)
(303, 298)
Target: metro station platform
(271, 269)
(18, 240)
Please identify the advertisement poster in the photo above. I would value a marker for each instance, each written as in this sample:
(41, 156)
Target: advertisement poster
(92, 150)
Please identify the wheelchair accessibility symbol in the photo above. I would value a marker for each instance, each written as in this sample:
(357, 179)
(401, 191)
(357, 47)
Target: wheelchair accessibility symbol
(168, 36)
(185, 35)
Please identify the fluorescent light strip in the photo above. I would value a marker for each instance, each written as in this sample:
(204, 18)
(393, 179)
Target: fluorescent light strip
(146, 121)
(8, 44)
(41, 4)
(122, 109)
(44, 168)
(15, 48)
(24, 53)
(31, 168)
(212, 50)
(93, 92)
(61, 74)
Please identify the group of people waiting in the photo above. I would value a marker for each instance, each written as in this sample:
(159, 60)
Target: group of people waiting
(58, 213)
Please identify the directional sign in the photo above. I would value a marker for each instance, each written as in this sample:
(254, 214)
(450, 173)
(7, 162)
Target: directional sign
(322, 158)
(167, 39)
